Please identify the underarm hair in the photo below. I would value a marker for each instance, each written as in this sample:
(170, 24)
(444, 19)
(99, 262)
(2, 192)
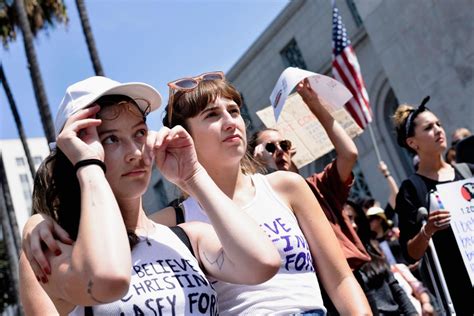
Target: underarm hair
(219, 261)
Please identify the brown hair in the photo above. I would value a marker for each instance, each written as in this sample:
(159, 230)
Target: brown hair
(188, 104)
(56, 189)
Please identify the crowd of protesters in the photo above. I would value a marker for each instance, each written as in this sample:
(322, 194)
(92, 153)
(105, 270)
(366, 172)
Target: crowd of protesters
(278, 244)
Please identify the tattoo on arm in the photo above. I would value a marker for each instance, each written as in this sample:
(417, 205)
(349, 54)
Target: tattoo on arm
(89, 291)
(219, 261)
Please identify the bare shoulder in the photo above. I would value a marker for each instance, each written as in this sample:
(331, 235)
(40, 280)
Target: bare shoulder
(44, 298)
(166, 216)
(285, 181)
(34, 299)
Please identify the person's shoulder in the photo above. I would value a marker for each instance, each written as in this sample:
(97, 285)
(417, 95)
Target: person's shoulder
(409, 187)
(284, 178)
(410, 182)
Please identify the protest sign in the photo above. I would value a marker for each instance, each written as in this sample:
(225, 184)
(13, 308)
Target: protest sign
(335, 93)
(458, 198)
(298, 124)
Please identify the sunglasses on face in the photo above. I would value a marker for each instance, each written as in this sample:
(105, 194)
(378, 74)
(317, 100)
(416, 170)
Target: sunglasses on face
(188, 84)
(284, 145)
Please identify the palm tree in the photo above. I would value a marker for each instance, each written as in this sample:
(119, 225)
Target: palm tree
(35, 73)
(86, 29)
(11, 235)
(19, 124)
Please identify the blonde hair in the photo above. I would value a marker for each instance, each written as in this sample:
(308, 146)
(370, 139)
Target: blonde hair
(399, 119)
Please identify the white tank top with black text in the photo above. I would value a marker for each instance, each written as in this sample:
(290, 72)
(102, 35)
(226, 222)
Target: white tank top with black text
(294, 289)
(166, 280)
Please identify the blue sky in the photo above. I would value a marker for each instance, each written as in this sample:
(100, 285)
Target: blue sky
(138, 40)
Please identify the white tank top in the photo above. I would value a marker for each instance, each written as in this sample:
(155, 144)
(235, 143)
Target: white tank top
(294, 289)
(166, 280)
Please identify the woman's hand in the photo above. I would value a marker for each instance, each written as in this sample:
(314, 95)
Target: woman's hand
(175, 155)
(41, 229)
(437, 220)
(79, 139)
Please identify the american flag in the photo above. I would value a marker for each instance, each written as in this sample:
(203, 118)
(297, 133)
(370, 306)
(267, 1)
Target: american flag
(345, 69)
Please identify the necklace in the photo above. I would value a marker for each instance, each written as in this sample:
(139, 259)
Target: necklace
(147, 230)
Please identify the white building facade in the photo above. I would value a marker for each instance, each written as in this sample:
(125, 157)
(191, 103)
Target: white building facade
(406, 50)
(20, 181)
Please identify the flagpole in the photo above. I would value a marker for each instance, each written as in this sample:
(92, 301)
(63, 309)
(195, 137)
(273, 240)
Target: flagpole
(371, 132)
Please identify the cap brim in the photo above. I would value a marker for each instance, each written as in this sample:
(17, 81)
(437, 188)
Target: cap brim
(137, 90)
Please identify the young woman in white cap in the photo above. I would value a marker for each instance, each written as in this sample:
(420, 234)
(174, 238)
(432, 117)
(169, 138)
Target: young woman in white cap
(92, 184)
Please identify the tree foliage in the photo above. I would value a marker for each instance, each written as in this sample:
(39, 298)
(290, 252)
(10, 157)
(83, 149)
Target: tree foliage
(42, 15)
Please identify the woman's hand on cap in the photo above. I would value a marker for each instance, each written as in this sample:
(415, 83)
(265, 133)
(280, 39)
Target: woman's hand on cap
(79, 139)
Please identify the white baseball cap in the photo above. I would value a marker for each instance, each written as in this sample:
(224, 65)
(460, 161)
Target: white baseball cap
(84, 93)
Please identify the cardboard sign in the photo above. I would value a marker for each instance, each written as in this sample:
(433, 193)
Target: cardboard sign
(308, 136)
(458, 198)
(329, 89)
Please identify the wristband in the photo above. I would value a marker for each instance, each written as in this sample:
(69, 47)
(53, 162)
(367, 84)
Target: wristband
(87, 162)
(423, 231)
(387, 175)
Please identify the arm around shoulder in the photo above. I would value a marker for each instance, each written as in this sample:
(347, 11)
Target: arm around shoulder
(34, 299)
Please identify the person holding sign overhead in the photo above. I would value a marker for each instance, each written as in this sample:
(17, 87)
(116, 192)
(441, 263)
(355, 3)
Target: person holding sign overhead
(421, 133)
(331, 186)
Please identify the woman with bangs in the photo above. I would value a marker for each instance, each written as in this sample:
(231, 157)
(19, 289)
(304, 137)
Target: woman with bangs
(281, 203)
(208, 107)
(92, 185)
(420, 131)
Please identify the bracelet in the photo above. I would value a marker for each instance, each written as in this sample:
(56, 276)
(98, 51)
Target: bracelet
(87, 162)
(387, 175)
(423, 231)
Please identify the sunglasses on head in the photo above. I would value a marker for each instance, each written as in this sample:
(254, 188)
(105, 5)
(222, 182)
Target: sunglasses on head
(187, 84)
(284, 145)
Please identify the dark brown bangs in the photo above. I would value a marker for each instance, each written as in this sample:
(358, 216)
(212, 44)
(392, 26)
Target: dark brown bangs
(114, 105)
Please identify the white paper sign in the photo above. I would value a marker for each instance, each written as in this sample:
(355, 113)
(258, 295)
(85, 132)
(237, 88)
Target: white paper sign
(335, 93)
(306, 133)
(458, 198)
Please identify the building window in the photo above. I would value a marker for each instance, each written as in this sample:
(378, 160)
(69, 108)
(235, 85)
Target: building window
(37, 160)
(20, 161)
(359, 189)
(292, 56)
(390, 106)
(354, 12)
(244, 111)
(25, 185)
